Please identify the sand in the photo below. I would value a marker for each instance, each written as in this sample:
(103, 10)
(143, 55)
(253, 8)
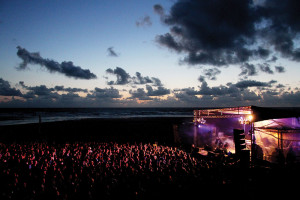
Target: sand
(125, 130)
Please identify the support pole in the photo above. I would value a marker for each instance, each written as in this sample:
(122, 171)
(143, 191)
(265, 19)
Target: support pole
(281, 141)
(251, 142)
(195, 135)
(278, 140)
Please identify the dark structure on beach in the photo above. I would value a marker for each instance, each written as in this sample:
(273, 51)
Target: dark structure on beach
(271, 134)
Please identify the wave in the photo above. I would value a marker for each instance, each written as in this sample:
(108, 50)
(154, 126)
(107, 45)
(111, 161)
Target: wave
(11, 116)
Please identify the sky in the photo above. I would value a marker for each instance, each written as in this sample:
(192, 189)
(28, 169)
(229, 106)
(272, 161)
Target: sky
(141, 53)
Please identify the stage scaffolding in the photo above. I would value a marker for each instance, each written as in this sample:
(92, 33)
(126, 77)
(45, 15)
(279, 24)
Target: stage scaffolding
(234, 112)
(243, 116)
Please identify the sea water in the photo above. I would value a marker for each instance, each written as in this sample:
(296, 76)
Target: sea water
(11, 116)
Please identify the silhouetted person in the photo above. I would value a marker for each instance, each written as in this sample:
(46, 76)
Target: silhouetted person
(258, 153)
(290, 157)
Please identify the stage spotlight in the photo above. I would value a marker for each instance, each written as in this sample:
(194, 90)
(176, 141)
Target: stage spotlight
(250, 117)
(201, 121)
(247, 120)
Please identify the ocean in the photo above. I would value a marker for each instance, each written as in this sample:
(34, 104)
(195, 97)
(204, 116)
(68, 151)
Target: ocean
(12, 116)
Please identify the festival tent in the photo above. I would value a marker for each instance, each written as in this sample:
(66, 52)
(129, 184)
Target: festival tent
(278, 137)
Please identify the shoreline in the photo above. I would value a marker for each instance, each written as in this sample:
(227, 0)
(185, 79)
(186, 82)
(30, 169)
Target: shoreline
(21, 121)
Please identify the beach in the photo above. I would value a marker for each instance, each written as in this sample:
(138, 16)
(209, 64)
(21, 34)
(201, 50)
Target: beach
(142, 129)
(133, 158)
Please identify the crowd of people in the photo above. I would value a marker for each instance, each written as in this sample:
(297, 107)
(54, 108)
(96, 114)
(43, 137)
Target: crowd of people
(110, 170)
(91, 170)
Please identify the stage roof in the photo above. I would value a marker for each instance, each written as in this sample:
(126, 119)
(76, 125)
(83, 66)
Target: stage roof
(258, 113)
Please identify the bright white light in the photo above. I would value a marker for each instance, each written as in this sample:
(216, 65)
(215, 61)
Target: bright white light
(250, 117)
(247, 120)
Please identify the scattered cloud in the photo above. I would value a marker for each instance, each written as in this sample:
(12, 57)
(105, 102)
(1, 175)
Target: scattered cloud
(123, 77)
(265, 67)
(67, 67)
(156, 81)
(59, 96)
(69, 89)
(279, 69)
(144, 21)
(159, 9)
(211, 73)
(252, 83)
(201, 78)
(160, 91)
(111, 52)
(248, 70)
(7, 90)
(139, 79)
(106, 93)
(141, 94)
(243, 92)
(43, 90)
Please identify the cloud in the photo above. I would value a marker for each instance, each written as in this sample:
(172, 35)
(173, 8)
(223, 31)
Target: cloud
(169, 41)
(44, 88)
(232, 90)
(284, 26)
(123, 77)
(69, 89)
(201, 78)
(7, 90)
(111, 52)
(160, 91)
(139, 79)
(252, 83)
(106, 93)
(211, 73)
(225, 32)
(280, 69)
(43, 96)
(141, 94)
(210, 32)
(156, 81)
(248, 70)
(215, 91)
(158, 9)
(243, 92)
(246, 92)
(66, 68)
(41, 90)
(145, 21)
(265, 67)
